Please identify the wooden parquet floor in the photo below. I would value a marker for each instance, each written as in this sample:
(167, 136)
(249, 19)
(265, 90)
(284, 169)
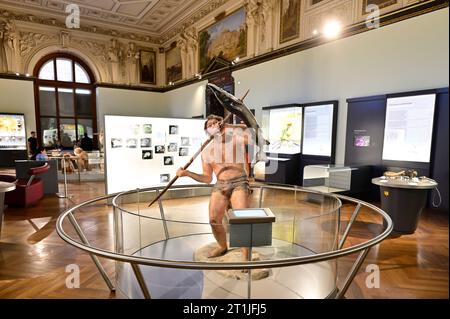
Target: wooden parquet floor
(33, 258)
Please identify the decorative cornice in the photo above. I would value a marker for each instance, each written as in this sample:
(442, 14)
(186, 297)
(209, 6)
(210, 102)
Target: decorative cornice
(172, 33)
(20, 77)
(91, 29)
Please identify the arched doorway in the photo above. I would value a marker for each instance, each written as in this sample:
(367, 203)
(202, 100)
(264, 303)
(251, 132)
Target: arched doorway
(65, 100)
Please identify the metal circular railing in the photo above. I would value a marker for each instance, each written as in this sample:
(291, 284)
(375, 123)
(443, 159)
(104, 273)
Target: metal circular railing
(362, 248)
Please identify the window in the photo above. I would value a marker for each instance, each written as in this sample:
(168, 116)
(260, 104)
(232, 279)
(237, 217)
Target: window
(65, 100)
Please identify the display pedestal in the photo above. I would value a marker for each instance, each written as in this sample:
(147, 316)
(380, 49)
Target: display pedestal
(403, 201)
(287, 169)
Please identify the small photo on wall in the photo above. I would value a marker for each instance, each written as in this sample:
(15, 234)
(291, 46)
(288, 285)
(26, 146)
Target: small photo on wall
(185, 141)
(147, 128)
(173, 129)
(134, 129)
(159, 138)
(173, 147)
(147, 155)
(196, 141)
(146, 142)
(160, 149)
(184, 151)
(168, 160)
(362, 141)
(116, 143)
(164, 178)
(132, 143)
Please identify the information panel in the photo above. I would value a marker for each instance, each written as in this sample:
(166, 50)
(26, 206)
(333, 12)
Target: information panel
(12, 132)
(283, 126)
(318, 130)
(146, 151)
(409, 128)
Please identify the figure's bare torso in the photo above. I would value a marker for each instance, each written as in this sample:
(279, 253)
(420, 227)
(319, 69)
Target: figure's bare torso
(226, 155)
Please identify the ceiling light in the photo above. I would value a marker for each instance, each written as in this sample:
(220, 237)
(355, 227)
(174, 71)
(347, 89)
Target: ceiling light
(332, 29)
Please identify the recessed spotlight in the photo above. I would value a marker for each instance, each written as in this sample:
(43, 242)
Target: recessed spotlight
(332, 29)
(18, 74)
(27, 75)
(315, 32)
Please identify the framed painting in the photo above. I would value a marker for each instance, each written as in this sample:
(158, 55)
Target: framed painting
(173, 65)
(226, 39)
(147, 67)
(289, 20)
(380, 3)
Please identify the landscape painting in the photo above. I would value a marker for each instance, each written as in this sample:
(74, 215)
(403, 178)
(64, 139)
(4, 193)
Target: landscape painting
(380, 3)
(226, 39)
(173, 65)
(290, 20)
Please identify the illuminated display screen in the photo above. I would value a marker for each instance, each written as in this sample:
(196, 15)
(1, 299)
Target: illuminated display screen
(12, 132)
(409, 128)
(318, 129)
(250, 213)
(283, 126)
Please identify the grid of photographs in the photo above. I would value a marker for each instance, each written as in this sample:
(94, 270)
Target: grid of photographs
(142, 136)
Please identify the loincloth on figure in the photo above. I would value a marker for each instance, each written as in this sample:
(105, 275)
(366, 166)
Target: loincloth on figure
(227, 187)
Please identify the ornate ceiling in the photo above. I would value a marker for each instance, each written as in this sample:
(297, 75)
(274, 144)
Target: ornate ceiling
(158, 19)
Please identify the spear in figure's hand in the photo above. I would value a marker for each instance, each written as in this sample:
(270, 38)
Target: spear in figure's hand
(196, 154)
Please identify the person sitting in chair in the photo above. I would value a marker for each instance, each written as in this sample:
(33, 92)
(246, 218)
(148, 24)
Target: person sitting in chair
(42, 155)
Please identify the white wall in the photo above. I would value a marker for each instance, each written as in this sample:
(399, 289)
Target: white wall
(18, 97)
(409, 55)
(129, 102)
(187, 101)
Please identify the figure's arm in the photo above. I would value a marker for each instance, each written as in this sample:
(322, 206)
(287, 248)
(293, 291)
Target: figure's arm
(206, 177)
(240, 126)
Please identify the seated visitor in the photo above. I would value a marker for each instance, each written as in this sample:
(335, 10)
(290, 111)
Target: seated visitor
(86, 143)
(42, 155)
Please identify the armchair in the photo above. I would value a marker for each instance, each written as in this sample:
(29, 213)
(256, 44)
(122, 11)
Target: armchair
(28, 191)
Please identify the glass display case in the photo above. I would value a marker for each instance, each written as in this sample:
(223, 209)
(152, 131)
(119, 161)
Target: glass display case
(328, 178)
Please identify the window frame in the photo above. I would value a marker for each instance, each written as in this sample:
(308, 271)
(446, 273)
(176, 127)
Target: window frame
(67, 85)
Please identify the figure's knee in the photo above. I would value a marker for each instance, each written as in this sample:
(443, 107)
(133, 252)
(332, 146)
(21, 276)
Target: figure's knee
(214, 222)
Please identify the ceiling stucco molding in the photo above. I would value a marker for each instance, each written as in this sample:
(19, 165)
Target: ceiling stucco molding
(53, 22)
(173, 28)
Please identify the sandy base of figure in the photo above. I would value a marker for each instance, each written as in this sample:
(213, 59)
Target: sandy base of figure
(232, 255)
